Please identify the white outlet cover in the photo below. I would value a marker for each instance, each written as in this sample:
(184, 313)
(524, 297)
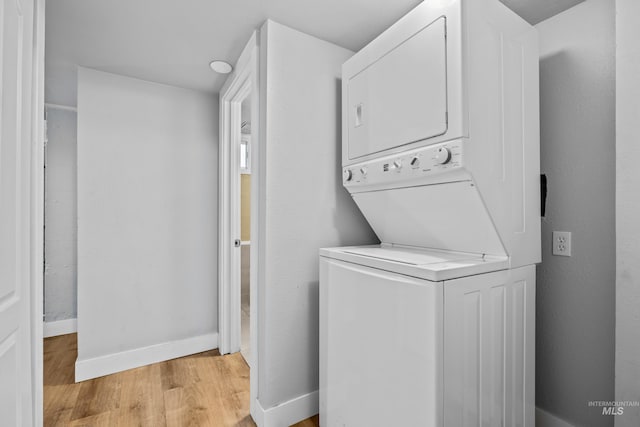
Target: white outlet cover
(561, 243)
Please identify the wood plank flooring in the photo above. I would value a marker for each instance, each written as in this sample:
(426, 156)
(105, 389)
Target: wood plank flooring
(204, 389)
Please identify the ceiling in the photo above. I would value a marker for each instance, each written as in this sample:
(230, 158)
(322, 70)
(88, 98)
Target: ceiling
(172, 42)
(535, 11)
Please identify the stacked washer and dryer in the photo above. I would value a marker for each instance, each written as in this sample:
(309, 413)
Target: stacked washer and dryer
(435, 326)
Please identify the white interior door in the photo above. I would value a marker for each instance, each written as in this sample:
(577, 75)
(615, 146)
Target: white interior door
(16, 32)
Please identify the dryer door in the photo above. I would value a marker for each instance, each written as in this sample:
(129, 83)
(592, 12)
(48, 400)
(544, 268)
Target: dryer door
(400, 97)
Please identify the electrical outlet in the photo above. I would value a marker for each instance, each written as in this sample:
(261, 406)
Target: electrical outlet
(562, 243)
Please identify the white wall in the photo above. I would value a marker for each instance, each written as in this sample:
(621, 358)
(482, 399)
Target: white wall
(576, 296)
(305, 207)
(60, 217)
(147, 216)
(627, 209)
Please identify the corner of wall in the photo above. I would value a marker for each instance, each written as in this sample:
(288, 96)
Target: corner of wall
(288, 413)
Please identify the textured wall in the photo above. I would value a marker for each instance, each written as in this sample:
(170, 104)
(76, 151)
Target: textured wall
(628, 209)
(576, 296)
(60, 276)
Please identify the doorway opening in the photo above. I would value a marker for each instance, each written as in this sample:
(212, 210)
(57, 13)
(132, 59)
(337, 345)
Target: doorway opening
(244, 163)
(240, 179)
(60, 225)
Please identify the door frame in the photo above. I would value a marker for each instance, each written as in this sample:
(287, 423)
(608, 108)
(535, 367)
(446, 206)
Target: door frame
(244, 80)
(36, 225)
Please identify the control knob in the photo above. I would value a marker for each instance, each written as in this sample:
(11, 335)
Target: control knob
(363, 171)
(415, 162)
(397, 164)
(443, 155)
(348, 175)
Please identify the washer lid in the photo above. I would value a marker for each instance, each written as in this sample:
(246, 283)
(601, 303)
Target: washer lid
(408, 256)
(426, 264)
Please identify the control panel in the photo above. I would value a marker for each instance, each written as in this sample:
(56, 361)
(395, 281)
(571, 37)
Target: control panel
(408, 165)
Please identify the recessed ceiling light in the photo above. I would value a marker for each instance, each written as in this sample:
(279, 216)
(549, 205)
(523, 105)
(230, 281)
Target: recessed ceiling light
(221, 67)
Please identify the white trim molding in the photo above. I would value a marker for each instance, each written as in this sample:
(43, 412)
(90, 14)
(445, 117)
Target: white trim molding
(36, 223)
(288, 413)
(245, 79)
(545, 419)
(237, 87)
(60, 327)
(104, 365)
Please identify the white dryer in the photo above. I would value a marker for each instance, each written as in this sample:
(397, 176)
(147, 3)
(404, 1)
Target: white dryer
(435, 326)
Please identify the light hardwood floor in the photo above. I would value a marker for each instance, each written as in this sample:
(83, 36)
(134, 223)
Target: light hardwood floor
(204, 389)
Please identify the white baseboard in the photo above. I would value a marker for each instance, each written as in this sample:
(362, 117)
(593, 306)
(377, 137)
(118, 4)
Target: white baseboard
(545, 419)
(288, 413)
(303, 407)
(117, 362)
(257, 413)
(60, 327)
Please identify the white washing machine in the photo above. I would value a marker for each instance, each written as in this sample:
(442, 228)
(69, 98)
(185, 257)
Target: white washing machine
(414, 338)
(435, 326)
